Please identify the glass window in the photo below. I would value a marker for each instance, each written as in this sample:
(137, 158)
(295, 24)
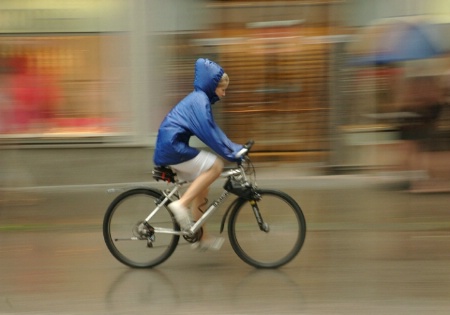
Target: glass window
(57, 85)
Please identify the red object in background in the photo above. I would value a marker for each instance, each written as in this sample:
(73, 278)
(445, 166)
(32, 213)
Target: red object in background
(33, 95)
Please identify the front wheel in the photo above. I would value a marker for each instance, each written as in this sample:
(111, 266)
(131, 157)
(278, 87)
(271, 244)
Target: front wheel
(279, 239)
(128, 240)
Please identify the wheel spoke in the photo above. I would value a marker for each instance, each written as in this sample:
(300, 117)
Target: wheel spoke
(122, 226)
(283, 232)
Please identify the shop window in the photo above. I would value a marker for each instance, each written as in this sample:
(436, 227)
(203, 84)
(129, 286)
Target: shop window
(63, 85)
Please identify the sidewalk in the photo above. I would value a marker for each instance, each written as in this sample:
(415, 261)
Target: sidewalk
(74, 166)
(91, 168)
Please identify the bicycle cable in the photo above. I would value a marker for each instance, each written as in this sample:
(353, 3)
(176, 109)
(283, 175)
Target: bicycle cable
(203, 204)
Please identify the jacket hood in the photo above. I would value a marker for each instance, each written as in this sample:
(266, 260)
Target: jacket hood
(207, 77)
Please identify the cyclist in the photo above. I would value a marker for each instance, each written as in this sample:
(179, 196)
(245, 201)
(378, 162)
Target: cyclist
(192, 116)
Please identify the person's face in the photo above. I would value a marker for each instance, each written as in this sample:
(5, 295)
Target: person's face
(220, 90)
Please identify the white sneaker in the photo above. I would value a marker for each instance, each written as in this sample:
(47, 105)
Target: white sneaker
(213, 243)
(181, 214)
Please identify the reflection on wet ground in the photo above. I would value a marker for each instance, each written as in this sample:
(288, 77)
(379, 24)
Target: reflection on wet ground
(367, 251)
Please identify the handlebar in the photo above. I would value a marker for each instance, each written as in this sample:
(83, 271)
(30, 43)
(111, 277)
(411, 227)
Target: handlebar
(245, 149)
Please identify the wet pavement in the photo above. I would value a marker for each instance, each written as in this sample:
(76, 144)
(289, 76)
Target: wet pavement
(369, 250)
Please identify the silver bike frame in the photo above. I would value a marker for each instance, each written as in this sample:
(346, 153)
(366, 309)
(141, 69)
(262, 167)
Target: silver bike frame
(211, 209)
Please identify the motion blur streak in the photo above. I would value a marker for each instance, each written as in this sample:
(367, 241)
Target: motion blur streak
(348, 104)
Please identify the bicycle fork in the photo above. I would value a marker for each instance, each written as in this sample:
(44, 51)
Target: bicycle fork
(263, 226)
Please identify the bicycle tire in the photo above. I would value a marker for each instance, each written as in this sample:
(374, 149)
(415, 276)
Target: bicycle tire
(119, 228)
(283, 241)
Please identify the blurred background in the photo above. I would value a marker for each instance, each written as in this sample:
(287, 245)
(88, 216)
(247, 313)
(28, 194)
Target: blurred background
(343, 86)
(357, 89)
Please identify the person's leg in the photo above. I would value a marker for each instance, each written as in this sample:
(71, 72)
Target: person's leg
(196, 195)
(199, 187)
(207, 241)
(198, 207)
(199, 204)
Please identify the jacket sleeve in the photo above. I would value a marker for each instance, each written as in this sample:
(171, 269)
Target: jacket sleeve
(210, 133)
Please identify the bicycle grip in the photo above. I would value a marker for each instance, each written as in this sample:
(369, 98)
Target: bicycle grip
(245, 149)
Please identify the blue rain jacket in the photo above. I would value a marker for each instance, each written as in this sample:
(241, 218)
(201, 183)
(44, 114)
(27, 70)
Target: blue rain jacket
(193, 116)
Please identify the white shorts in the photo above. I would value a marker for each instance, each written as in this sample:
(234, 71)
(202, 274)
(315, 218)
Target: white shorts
(193, 168)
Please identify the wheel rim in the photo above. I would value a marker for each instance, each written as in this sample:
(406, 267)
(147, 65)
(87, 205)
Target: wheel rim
(280, 244)
(120, 228)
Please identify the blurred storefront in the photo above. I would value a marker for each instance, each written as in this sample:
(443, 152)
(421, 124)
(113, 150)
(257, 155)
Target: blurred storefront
(102, 73)
(106, 72)
(64, 71)
(282, 59)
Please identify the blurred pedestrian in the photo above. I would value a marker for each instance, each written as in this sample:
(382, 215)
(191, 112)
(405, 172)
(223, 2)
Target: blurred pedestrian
(422, 98)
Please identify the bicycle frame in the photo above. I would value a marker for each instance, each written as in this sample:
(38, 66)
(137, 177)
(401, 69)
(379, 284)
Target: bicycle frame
(205, 216)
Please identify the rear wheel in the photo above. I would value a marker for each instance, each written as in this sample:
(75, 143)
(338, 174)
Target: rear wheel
(128, 239)
(283, 234)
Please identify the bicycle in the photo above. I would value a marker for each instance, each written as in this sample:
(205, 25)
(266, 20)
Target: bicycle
(266, 228)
